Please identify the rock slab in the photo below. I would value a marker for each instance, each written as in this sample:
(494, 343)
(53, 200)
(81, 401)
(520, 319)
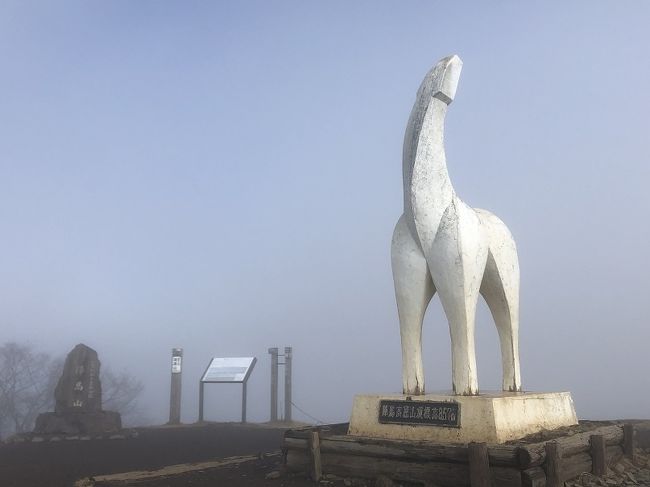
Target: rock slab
(78, 399)
(79, 388)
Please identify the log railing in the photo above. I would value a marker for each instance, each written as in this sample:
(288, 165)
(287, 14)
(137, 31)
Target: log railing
(548, 463)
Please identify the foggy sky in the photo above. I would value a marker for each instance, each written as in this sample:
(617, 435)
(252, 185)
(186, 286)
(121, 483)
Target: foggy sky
(225, 176)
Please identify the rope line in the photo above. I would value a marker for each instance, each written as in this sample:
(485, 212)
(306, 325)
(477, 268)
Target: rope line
(318, 421)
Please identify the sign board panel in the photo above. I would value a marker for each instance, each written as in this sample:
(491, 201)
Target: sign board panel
(429, 413)
(229, 369)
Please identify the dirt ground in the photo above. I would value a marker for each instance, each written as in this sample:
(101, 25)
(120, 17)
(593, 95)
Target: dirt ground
(61, 463)
(249, 474)
(256, 448)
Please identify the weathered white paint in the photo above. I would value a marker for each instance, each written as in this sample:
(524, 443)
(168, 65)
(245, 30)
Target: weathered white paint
(493, 417)
(441, 244)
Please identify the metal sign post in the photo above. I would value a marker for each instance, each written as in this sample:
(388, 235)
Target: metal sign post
(227, 370)
(175, 391)
(288, 352)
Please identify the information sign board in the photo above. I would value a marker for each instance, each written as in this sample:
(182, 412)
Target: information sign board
(229, 369)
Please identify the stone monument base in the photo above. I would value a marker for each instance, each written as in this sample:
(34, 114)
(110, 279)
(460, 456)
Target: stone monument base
(78, 423)
(446, 418)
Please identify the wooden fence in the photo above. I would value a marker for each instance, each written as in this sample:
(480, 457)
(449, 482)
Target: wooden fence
(330, 450)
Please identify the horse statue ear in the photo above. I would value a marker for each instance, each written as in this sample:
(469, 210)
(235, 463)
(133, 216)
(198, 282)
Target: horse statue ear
(448, 81)
(441, 81)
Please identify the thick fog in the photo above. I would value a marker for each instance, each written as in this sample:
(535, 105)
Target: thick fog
(225, 177)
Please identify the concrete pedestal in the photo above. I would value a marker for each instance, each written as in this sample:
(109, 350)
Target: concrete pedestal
(490, 417)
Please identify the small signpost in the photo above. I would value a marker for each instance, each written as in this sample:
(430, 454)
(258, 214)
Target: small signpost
(175, 391)
(227, 370)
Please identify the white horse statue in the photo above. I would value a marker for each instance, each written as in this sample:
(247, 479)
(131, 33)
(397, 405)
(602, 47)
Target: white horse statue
(441, 244)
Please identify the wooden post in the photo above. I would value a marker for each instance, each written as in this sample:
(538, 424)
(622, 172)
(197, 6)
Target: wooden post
(316, 471)
(553, 464)
(598, 456)
(274, 383)
(533, 477)
(479, 465)
(175, 390)
(287, 384)
(629, 441)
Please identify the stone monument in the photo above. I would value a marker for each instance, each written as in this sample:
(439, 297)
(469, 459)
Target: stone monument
(442, 245)
(78, 399)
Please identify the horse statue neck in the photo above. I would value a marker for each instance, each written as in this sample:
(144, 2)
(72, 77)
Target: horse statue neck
(427, 187)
